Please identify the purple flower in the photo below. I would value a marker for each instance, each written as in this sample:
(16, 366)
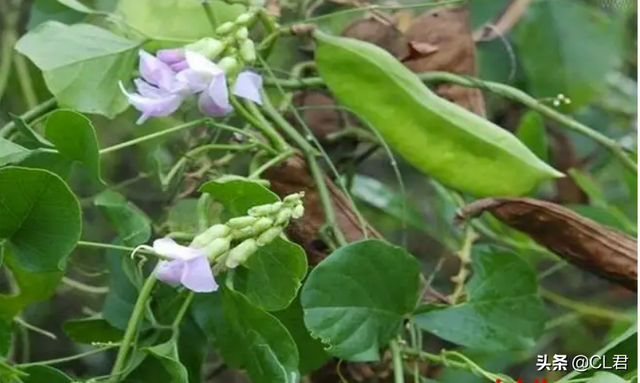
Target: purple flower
(208, 79)
(170, 56)
(189, 267)
(160, 93)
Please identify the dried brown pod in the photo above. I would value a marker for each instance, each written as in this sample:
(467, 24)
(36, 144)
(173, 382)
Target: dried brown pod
(446, 32)
(596, 248)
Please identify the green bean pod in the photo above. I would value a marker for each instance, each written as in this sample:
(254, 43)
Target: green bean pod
(449, 143)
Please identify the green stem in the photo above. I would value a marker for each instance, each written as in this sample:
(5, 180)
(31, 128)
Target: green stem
(499, 89)
(84, 287)
(67, 358)
(316, 172)
(465, 259)
(398, 368)
(132, 328)
(126, 249)
(152, 136)
(588, 310)
(205, 148)
(183, 311)
(244, 133)
(30, 115)
(6, 58)
(211, 15)
(272, 162)
(24, 78)
(251, 113)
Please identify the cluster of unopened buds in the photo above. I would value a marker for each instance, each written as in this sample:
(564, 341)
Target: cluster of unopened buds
(227, 245)
(561, 99)
(207, 69)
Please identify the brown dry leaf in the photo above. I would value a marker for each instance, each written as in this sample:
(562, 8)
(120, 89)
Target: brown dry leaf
(318, 112)
(293, 176)
(595, 248)
(274, 8)
(447, 28)
(403, 20)
(378, 29)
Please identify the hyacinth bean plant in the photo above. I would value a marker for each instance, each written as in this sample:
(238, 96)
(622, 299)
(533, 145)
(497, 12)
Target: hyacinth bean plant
(212, 261)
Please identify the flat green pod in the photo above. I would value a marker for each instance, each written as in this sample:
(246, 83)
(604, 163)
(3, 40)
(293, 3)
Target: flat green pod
(454, 146)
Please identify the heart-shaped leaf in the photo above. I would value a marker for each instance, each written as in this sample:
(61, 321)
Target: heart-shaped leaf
(355, 299)
(75, 138)
(39, 217)
(82, 65)
(132, 225)
(248, 336)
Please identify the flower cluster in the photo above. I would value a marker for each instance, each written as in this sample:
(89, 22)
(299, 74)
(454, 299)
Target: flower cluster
(190, 266)
(205, 69)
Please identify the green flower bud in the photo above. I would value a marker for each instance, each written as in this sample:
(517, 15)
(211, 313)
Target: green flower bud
(293, 198)
(208, 47)
(241, 222)
(297, 212)
(215, 231)
(217, 247)
(269, 236)
(248, 51)
(239, 254)
(242, 34)
(283, 216)
(229, 65)
(264, 210)
(262, 224)
(245, 19)
(245, 232)
(225, 28)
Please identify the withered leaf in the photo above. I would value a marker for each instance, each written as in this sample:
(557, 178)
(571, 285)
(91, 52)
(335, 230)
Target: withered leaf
(293, 176)
(380, 31)
(448, 29)
(581, 241)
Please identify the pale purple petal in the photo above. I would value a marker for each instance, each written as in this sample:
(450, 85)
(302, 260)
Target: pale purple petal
(157, 106)
(194, 80)
(171, 56)
(197, 276)
(209, 107)
(200, 63)
(147, 90)
(156, 72)
(218, 91)
(169, 248)
(170, 271)
(180, 66)
(248, 86)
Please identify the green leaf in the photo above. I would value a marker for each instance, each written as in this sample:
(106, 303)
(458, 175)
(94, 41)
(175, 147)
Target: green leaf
(248, 336)
(50, 160)
(77, 6)
(82, 65)
(156, 18)
(33, 139)
(167, 353)
(75, 138)
(238, 196)
(193, 348)
(567, 47)
(272, 276)
(449, 143)
(89, 330)
(531, 132)
(33, 287)
(312, 352)
(39, 217)
(123, 293)
(379, 195)
(132, 226)
(625, 344)
(11, 153)
(503, 312)
(46, 10)
(355, 299)
(606, 377)
(44, 374)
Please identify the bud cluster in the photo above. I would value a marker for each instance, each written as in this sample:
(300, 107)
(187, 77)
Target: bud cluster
(259, 227)
(232, 48)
